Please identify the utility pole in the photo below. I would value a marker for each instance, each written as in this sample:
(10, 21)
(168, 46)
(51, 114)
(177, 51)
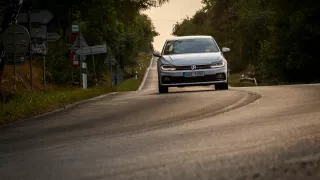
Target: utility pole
(30, 53)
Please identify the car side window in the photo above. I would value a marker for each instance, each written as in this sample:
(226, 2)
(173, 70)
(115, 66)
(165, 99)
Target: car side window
(170, 48)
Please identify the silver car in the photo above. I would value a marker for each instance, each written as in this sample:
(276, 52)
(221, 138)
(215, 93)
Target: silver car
(191, 61)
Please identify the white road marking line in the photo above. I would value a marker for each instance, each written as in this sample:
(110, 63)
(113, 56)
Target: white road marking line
(145, 75)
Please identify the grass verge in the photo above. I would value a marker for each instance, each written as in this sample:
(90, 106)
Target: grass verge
(30, 104)
(133, 84)
(234, 81)
(34, 103)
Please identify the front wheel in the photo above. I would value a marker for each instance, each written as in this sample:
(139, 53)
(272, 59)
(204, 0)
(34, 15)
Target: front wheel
(163, 89)
(221, 86)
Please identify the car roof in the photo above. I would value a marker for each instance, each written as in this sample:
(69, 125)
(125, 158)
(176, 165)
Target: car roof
(189, 37)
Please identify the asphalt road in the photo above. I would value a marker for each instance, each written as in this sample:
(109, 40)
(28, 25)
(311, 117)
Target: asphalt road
(190, 133)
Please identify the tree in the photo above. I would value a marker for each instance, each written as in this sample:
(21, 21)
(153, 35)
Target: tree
(275, 36)
(118, 24)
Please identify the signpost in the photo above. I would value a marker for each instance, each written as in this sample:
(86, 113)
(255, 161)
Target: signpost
(39, 47)
(37, 21)
(16, 42)
(79, 50)
(3, 4)
(84, 75)
(84, 51)
(39, 32)
(15, 59)
(92, 50)
(75, 40)
(16, 39)
(111, 61)
(80, 42)
(30, 54)
(75, 28)
(52, 37)
(42, 17)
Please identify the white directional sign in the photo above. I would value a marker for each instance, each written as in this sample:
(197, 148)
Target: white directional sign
(92, 50)
(75, 28)
(42, 16)
(52, 37)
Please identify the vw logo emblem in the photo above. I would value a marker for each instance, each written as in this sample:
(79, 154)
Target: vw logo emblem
(193, 67)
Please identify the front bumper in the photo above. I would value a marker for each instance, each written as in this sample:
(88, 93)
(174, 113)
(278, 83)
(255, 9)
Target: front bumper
(176, 78)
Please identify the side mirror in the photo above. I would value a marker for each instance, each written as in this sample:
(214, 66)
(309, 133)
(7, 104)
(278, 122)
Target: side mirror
(156, 54)
(224, 50)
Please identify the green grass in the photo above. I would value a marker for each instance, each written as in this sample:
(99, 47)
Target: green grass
(133, 84)
(129, 85)
(35, 103)
(234, 80)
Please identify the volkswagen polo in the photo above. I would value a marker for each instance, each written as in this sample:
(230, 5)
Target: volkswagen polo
(191, 61)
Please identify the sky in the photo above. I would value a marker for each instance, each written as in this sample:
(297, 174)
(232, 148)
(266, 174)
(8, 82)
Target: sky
(167, 15)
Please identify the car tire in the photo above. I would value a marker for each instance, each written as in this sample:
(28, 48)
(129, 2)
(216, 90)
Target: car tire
(221, 86)
(163, 89)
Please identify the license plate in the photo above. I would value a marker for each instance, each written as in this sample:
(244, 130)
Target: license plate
(193, 74)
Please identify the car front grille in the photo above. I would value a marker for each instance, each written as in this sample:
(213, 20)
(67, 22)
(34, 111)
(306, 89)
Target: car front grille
(207, 78)
(189, 67)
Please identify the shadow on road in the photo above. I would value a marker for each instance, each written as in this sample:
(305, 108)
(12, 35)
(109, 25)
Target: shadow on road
(185, 91)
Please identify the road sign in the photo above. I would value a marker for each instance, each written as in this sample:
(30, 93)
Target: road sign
(73, 37)
(75, 61)
(110, 59)
(83, 42)
(39, 32)
(18, 59)
(92, 50)
(41, 16)
(39, 46)
(3, 3)
(52, 37)
(16, 39)
(75, 28)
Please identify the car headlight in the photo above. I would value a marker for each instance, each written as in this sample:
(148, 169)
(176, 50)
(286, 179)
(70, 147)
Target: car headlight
(217, 64)
(168, 68)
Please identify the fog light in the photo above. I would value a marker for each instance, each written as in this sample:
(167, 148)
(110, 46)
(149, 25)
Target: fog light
(167, 78)
(220, 76)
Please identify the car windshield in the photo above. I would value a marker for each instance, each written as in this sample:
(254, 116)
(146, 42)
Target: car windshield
(185, 46)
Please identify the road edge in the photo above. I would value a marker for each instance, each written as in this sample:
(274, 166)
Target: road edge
(58, 110)
(145, 75)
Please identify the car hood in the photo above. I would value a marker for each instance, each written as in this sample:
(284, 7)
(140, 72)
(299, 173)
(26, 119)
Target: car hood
(191, 59)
